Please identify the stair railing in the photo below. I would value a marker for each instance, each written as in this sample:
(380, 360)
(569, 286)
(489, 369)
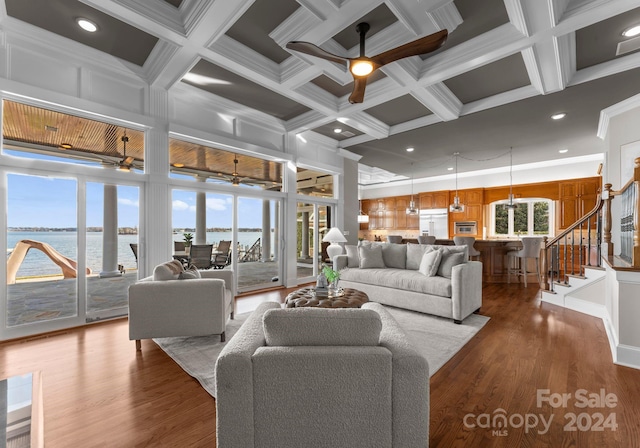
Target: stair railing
(630, 218)
(577, 246)
(558, 255)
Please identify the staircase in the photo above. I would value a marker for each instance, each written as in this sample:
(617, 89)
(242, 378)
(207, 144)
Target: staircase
(584, 293)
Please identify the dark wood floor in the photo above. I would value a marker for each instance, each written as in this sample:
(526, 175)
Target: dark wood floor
(98, 392)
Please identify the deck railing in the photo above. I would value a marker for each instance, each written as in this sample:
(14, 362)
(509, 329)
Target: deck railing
(581, 244)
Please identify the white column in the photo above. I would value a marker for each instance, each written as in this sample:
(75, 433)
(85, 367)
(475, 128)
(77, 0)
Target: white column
(266, 230)
(276, 233)
(201, 217)
(110, 233)
(156, 240)
(305, 235)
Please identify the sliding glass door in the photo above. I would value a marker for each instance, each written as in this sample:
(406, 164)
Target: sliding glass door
(313, 221)
(42, 251)
(111, 242)
(70, 252)
(259, 263)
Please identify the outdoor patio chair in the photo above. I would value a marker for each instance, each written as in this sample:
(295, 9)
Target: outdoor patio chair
(200, 255)
(178, 246)
(134, 249)
(223, 255)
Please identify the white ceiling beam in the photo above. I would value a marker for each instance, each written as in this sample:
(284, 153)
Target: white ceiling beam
(606, 69)
(517, 16)
(558, 7)
(305, 25)
(320, 8)
(439, 100)
(367, 124)
(446, 17)
(415, 17)
(484, 49)
(582, 14)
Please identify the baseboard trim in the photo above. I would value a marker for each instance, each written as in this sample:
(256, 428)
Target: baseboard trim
(623, 355)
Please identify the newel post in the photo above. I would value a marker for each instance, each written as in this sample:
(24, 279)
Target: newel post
(635, 261)
(607, 195)
(545, 264)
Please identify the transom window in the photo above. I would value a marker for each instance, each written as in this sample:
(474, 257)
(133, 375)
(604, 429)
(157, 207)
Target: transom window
(527, 217)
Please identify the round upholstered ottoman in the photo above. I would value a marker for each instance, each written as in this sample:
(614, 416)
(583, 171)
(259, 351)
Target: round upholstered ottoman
(351, 298)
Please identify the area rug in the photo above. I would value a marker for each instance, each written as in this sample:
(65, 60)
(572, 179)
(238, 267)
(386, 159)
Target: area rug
(436, 338)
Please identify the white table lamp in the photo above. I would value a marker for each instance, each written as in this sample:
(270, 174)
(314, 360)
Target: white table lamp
(334, 236)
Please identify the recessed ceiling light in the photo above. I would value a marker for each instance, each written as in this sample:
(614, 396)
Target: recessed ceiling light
(631, 32)
(87, 24)
(410, 149)
(65, 146)
(450, 168)
(562, 151)
(558, 116)
(337, 130)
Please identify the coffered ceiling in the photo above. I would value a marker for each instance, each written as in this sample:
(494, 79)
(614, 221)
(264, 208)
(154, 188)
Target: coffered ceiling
(507, 66)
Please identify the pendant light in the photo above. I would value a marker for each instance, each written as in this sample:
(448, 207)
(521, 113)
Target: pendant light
(510, 204)
(456, 206)
(412, 209)
(362, 218)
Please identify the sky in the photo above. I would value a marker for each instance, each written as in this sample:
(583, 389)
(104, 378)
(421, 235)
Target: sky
(35, 201)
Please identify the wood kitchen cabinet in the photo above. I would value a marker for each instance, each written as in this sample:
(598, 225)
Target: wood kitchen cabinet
(472, 200)
(577, 198)
(433, 199)
(404, 221)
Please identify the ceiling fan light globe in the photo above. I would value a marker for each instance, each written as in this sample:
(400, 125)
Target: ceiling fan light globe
(361, 67)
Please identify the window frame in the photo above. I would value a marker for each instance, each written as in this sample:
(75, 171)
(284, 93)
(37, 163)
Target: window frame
(530, 218)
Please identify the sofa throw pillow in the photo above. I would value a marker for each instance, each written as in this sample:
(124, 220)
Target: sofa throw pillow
(394, 255)
(430, 263)
(167, 271)
(321, 326)
(370, 257)
(415, 253)
(190, 273)
(449, 260)
(353, 261)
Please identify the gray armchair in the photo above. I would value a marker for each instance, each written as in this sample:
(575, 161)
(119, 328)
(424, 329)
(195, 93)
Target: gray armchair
(305, 377)
(166, 306)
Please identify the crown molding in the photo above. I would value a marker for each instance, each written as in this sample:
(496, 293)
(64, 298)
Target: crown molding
(613, 111)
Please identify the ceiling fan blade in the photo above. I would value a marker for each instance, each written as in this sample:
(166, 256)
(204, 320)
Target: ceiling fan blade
(423, 45)
(359, 84)
(128, 160)
(314, 50)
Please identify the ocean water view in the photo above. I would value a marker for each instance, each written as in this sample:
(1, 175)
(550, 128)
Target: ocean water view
(36, 263)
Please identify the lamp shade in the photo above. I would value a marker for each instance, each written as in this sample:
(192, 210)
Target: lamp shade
(334, 235)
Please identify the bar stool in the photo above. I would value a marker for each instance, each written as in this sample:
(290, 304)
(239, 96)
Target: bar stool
(468, 241)
(518, 259)
(426, 239)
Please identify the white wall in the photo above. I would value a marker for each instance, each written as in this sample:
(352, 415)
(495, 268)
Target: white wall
(619, 128)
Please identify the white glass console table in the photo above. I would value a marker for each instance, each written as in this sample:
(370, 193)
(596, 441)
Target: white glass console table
(21, 412)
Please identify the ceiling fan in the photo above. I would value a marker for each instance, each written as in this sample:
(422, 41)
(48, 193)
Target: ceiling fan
(362, 66)
(127, 162)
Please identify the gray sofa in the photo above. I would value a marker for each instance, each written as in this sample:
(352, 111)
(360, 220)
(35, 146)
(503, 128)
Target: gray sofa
(175, 302)
(431, 279)
(322, 378)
